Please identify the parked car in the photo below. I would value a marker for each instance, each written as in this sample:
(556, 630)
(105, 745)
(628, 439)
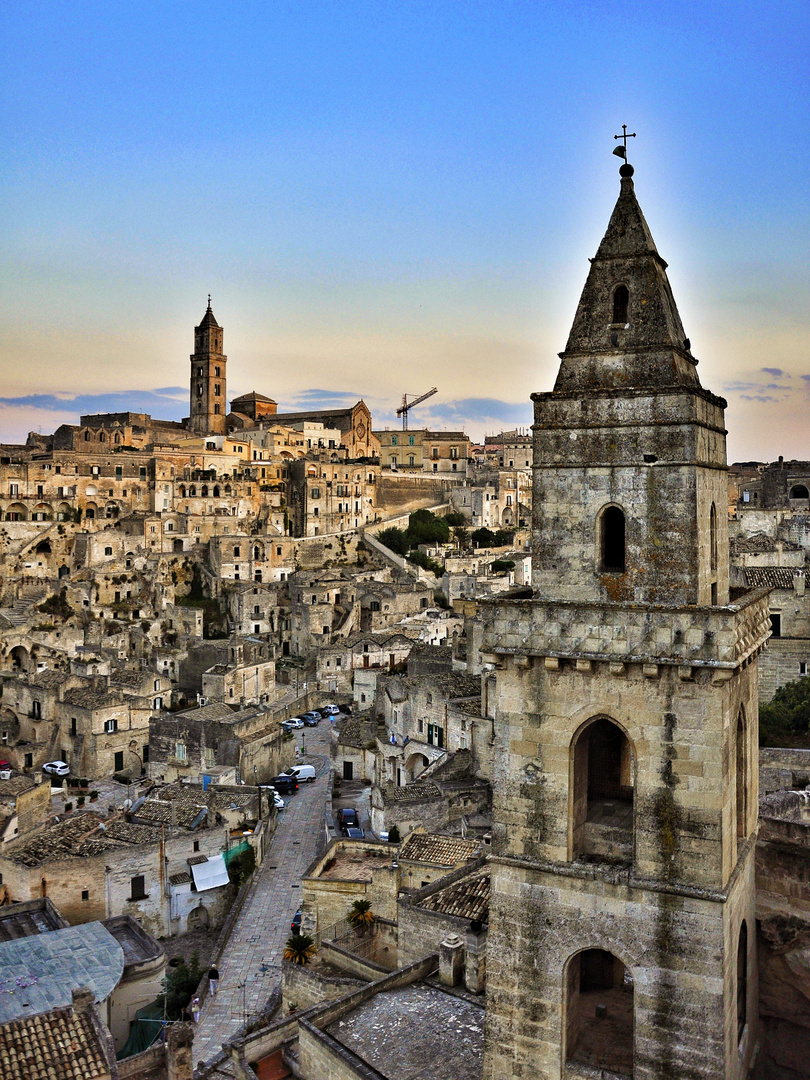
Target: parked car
(293, 722)
(4, 764)
(278, 802)
(331, 710)
(302, 772)
(285, 784)
(311, 721)
(349, 819)
(353, 832)
(56, 768)
(295, 925)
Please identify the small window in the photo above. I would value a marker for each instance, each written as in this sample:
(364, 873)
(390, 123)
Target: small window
(612, 541)
(137, 889)
(110, 726)
(742, 981)
(180, 751)
(621, 298)
(85, 894)
(802, 667)
(776, 624)
(108, 551)
(196, 845)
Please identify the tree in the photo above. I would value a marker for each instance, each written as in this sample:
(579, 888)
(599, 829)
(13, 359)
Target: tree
(395, 539)
(360, 915)
(455, 520)
(425, 528)
(786, 715)
(393, 835)
(483, 537)
(182, 980)
(300, 949)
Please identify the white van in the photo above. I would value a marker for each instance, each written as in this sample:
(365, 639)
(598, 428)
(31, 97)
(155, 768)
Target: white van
(303, 772)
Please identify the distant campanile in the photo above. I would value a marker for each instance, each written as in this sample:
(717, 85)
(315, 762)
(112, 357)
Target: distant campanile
(207, 413)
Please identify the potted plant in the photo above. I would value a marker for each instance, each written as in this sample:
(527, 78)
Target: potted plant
(93, 796)
(80, 801)
(68, 807)
(361, 916)
(300, 949)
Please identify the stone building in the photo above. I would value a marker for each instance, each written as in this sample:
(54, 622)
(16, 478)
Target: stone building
(622, 923)
(208, 387)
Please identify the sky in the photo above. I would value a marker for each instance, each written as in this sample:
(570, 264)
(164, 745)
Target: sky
(386, 196)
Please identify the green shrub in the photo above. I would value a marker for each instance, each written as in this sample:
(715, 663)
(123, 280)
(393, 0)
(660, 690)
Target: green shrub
(785, 719)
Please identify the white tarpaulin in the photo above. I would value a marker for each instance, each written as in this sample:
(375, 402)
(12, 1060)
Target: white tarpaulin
(211, 874)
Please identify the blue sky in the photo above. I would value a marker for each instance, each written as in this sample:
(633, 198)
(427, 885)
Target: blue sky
(384, 197)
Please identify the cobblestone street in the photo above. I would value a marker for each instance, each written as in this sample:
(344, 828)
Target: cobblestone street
(251, 967)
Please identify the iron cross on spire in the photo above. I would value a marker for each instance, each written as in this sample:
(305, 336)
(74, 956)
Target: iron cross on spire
(621, 151)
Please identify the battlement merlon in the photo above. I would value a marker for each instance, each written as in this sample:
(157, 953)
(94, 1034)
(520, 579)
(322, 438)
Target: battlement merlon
(720, 638)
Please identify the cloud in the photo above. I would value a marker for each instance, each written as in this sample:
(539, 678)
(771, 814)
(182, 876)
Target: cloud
(169, 398)
(776, 372)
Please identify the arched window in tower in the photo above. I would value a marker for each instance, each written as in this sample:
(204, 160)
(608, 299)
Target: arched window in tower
(204, 491)
(713, 540)
(742, 980)
(621, 298)
(612, 540)
(216, 491)
(799, 491)
(742, 779)
(602, 804)
(596, 980)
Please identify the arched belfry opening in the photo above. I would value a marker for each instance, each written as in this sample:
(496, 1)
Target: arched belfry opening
(602, 793)
(599, 1013)
(742, 779)
(612, 541)
(742, 980)
(621, 301)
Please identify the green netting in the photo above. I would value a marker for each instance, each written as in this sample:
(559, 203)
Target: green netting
(235, 852)
(144, 1030)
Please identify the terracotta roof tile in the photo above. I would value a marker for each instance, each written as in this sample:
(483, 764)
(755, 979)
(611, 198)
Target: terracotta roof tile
(55, 1045)
(442, 850)
(465, 899)
(421, 789)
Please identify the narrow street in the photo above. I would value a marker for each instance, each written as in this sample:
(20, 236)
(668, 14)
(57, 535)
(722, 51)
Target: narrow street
(251, 967)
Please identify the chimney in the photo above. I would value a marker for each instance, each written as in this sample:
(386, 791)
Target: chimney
(83, 999)
(180, 1065)
(451, 960)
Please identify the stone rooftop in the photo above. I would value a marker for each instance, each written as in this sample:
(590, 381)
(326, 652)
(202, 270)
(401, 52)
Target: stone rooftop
(436, 849)
(138, 946)
(354, 865)
(88, 698)
(80, 834)
(47, 680)
(421, 789)
(418, 1032)
(465, 899)
(16, 785)
(59, 1044)
(29, 917)
(39, 973)
(770, 577)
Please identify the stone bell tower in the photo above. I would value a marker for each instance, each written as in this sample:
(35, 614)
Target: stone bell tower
(622, 934)
(207, 415)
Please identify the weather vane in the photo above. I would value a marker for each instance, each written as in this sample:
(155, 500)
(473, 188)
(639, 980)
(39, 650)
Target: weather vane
(621, 151)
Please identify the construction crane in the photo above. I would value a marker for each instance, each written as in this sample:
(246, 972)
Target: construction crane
(406, 405)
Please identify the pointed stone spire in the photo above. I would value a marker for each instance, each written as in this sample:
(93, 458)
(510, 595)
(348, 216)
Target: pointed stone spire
(627, 331)
(208, 319)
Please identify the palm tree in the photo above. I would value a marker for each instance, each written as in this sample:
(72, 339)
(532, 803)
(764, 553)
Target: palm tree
(300, 949)
(360, 915)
